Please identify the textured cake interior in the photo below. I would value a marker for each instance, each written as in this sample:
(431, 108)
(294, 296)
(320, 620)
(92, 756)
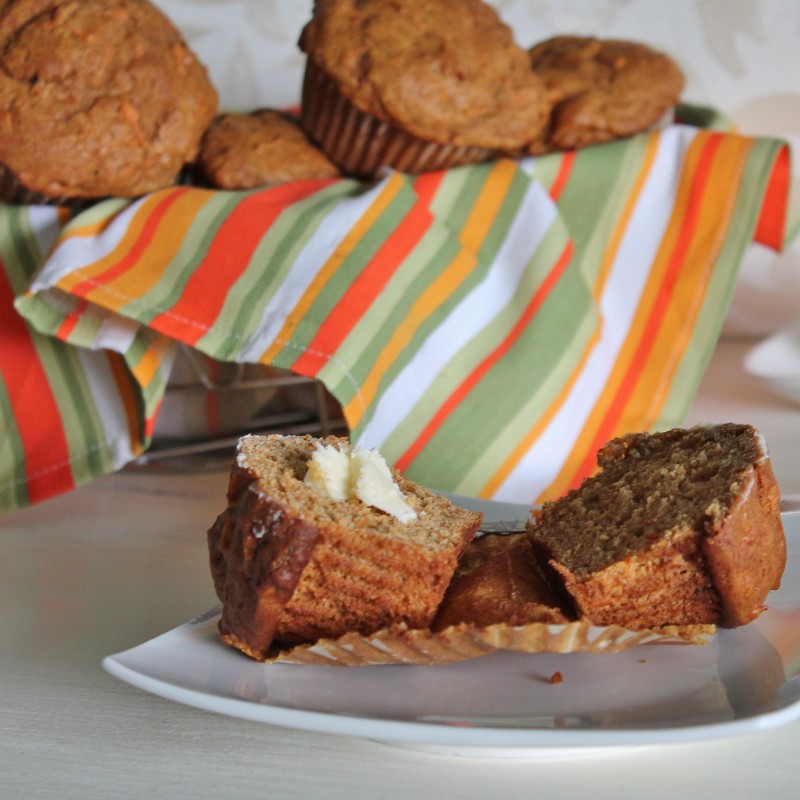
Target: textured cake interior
(647, 488)
(292, 564)
(281, 464)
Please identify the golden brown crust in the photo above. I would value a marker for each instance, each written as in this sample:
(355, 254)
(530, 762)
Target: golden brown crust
(746, 550)
(257, 554)
(264, 147)
(499, 581)
(447, 71)
(602, 89)
(680, 527)
(97, 98)
(291, 565)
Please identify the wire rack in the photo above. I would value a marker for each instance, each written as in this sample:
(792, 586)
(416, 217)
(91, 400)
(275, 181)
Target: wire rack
(208, 405)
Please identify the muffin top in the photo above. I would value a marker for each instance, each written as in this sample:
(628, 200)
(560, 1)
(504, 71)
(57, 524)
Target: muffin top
(97, 98)
(266, 146)
(603, 89)
(444, 70)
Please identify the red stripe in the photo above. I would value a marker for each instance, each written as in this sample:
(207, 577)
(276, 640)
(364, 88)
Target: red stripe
(227, 258)
(139, 245)
(372, 279)
(564, 170)
(35, 412)
(474, 378)
(772, 220)
(655, 319)
(72, 319)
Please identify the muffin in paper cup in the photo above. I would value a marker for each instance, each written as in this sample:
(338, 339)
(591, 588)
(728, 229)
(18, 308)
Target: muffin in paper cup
(399, 645)
(416, 85)
(361, 144)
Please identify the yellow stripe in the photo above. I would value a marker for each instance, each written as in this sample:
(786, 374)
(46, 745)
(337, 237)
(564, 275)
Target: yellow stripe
(487, 205)
(96, 268)
(140, 277)
(474, 231)
(425, 304)
(342, 251)
(505, 469)
(675, 334)
(638, 323)
(148, 364)
(636, 331)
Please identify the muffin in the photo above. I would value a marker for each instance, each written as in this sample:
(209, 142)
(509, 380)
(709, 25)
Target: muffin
(602, 89)
(679, 527)
(243, 151)
(416, 85)
(96, 99)
(319, 539)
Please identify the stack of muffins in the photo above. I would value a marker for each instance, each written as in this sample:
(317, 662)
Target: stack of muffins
(105, 99)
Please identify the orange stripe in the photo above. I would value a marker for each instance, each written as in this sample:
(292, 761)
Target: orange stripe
(140, 275)
(564, 171)
(227, 257)
(127, 396)
(70, 322)
(371, 280)
(149, 362)
(673, 337)
(33, 405)
(772, 220)
(390, 190)
(477, 225)
(487, 205)
(543, 421)
(653, 306)
(474, 378)
(137, 238)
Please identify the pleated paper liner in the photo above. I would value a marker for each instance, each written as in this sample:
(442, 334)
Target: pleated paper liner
(399, 645)
(360, 144)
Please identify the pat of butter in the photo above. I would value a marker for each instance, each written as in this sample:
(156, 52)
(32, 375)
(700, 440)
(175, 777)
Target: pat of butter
(357, 473)
(329, 472)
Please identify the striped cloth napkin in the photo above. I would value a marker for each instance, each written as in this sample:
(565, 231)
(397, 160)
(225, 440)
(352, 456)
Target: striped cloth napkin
(487, 327)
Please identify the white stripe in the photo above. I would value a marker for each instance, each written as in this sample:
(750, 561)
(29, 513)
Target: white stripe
(473, 313)
(109, 405)
(75, 252)
(311, 259)
(630, 271)
(45, 226)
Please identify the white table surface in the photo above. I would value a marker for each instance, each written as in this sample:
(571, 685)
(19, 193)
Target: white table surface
(124, 559)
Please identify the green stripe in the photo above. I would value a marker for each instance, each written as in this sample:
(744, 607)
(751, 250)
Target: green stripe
(13, 486)
(269, 266)
(349, 269)
(19, 249)
(82, 426)
(199, 238)
(722, 283)
(360, 349)
(519, 387)
(434, 254)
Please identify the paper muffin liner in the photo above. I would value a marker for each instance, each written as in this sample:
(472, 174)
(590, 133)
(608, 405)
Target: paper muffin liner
(360, 144)
(400, 645)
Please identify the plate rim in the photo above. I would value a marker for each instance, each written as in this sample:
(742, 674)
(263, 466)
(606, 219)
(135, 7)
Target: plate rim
(432, 736)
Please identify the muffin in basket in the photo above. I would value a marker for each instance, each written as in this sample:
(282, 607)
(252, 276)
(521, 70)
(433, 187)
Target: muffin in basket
(264, 147)
(416, 85)
(96, 99)
(602, 89)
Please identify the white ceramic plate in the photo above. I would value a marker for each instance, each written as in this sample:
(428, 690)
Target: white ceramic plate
(503, 705)
(776, 362)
